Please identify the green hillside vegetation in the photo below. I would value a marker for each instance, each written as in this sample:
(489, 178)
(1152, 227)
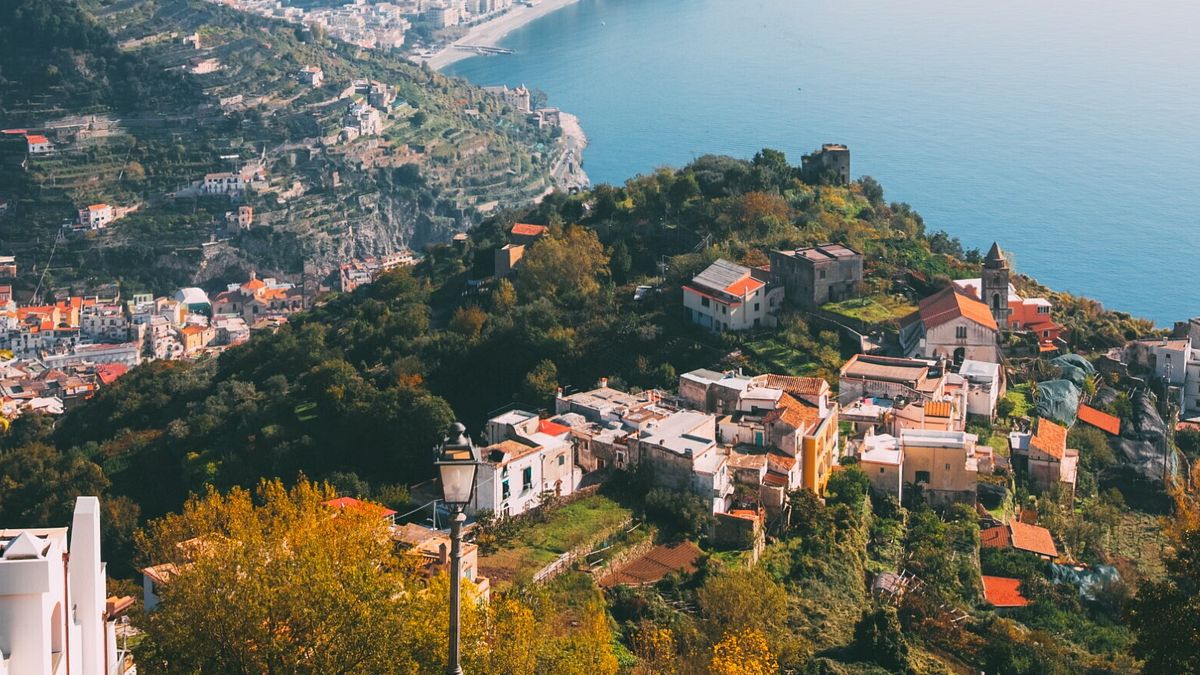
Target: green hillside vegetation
(359, 390)
(447, 148)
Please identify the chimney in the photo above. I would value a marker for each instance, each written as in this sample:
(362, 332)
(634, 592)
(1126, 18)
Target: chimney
(443, 558)
(604, 383)
(558, 393)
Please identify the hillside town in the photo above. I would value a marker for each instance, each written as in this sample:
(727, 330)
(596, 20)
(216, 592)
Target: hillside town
(59, 355)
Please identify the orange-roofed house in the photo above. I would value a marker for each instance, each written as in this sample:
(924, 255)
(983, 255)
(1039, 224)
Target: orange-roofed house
(1046, 456)
(525, 233)
(38, 145)
(731, 297)
(96, 216)
(1003, 592)
(1109, 424)
(951, 324)
(1021, 536)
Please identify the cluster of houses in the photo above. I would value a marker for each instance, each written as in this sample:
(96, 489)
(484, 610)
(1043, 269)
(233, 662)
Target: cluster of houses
(1174, 361)
(62, 353)
(733, 440)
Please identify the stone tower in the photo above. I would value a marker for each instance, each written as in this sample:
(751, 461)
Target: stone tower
(994, 285)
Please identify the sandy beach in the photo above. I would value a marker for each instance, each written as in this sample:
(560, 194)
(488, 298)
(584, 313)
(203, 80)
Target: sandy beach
(490, 33)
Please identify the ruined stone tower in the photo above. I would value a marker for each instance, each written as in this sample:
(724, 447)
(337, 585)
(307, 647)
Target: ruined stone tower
(994, 285)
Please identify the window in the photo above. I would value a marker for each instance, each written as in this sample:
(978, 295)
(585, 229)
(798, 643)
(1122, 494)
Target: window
(1045, 333)
(996, 301)
(527, 478)
(562, 459)
(504, 491)
(756, 305)
(821, 274)
(881, 469)
(922, 477)
(704, 302)
(1042, 309)
(724, 309)
(960, 332)
(947, 467)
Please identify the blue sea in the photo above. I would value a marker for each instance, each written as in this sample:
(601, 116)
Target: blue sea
(1069, 131)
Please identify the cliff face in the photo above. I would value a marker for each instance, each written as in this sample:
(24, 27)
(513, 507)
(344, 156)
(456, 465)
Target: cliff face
(328, 187)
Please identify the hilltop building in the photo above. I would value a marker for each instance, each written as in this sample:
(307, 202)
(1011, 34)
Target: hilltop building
(54, 614)
(818, 275)
(1008, 308)
(1045, 455)
(951, 325)
(519, 98)
(727, 296)
(830, 164)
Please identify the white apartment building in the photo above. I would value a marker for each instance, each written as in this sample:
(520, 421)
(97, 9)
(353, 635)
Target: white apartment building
(525, 458)
(54, 616)
(728, 296)
(96, 216)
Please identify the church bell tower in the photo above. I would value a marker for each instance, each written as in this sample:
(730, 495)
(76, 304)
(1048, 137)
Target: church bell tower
(994, 285)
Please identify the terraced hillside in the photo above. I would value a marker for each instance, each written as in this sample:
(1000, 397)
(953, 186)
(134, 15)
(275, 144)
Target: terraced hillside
(149, 96)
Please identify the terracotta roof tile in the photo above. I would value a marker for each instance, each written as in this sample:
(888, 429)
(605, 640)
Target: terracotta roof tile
(743, 286)
(552, 428)
(1032, 538)
(1099, 419)
(937, 408)
(1003, 592)
(798, 386)
(528, 230)
(794, 413)
(1050, 438)
(948, 304)
(995, 537)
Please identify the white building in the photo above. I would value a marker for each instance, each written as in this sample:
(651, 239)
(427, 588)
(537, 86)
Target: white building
(950, 324)
(54, 616)
(104, 323)
(728, 296)
(224, 183)
(96, 216)
(312, 76)
(38, 145)
(985, 386)
(526, 457)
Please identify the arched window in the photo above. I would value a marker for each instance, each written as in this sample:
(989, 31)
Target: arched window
(996, 301)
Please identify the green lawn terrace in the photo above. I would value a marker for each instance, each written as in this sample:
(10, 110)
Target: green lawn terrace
(535, 543)
(876, 309)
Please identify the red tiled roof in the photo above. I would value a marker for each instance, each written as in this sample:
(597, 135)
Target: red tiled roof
(552, 428)
(948, 304)
(937, 408)
(528, 230)
(1032, 538)
(794, 413)
(797, 385)
(35, 139)
(995, 537)
(109, 372)
(743, 286)
(1003, 592)
(341, 503)
(1099, 419)
(1050, 438)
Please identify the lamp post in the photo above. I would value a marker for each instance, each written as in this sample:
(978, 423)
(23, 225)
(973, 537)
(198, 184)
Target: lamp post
(457, 462)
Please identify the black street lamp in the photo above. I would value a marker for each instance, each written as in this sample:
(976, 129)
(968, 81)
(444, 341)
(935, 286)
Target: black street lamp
(457, 462)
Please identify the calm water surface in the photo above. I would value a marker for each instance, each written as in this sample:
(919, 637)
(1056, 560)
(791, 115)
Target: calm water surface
(1068, 130)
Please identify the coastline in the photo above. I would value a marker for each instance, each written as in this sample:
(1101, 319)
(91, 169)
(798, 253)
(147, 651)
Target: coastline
(490, 33)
